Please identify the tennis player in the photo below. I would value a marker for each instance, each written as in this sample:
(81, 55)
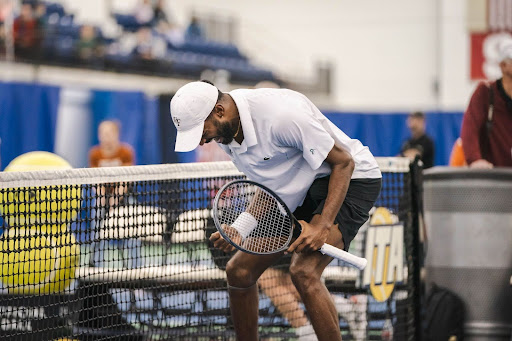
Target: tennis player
(278, 137)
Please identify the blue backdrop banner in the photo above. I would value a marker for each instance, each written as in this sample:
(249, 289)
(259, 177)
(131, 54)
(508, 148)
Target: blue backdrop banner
(384, 133)
(29, 115)
(28, 119)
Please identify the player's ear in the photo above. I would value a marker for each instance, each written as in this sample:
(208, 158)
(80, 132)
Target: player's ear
(219, 110)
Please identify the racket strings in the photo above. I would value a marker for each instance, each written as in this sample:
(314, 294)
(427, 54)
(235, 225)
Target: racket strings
(274, 225)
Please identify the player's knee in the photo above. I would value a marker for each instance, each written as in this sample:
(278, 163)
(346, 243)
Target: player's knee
(304, 278)
(238, 275)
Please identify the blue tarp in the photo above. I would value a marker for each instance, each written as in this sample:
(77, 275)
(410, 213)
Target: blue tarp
(384, 133)
(28, 119)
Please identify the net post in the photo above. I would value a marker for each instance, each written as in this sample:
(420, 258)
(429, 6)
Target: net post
(416, 170)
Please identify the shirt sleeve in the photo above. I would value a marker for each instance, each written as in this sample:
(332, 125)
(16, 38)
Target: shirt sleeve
(302, 130)
(127, 155)
(93, 157)
(473, 122)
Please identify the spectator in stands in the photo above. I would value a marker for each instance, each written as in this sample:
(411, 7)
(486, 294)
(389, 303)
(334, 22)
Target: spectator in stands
(2, 38)
(143, 12)
(172, 33)
(419, 144)
(487, 123)
(89, 47)
(41, 17)
(148, 47)
(26, 37)
(159, 13)
(5, 9)
(194, 30)
(5, 13)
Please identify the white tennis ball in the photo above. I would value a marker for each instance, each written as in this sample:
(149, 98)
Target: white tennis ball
(22, 207)
(38, 260)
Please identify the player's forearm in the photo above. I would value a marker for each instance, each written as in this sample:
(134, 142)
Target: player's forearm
(339, 182)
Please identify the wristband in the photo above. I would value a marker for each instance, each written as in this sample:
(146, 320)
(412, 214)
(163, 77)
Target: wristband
(245, 224)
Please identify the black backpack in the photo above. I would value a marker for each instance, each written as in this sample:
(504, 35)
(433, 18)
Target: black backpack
(444, 316)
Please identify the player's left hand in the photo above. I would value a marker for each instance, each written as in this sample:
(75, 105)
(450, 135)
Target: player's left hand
(312, 237)
(220, 243)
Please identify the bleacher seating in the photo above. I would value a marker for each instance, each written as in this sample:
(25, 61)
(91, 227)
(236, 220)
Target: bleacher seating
(127, 22)
(189, 59)
(56, 8)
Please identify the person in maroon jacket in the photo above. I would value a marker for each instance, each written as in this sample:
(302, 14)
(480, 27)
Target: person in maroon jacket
(25, 33)
(487, 123)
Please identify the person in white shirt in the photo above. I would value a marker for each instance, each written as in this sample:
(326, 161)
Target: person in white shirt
(278, 137)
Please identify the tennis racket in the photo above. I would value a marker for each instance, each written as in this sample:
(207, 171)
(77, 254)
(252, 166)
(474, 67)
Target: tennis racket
(255, 220)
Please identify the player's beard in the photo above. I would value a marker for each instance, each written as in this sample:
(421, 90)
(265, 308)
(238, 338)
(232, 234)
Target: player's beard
(225, 131)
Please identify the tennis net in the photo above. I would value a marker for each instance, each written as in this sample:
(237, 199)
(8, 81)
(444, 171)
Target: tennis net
(123, 254)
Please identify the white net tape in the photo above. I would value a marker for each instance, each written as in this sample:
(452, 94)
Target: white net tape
(197, 170)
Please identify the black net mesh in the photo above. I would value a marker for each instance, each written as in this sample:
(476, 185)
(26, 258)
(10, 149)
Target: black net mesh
(131, 260)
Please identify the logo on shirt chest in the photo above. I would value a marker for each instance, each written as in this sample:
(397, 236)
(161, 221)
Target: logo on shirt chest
(266, 158)
(312, 151)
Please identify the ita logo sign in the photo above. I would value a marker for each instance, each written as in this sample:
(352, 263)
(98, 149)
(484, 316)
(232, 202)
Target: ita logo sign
(385, 254)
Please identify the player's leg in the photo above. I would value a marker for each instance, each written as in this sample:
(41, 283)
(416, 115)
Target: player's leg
(277, 285)
(306, 271)
(243, 271)
(307, 268)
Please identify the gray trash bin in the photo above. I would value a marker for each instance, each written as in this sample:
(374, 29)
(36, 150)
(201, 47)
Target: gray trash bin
(468, 214)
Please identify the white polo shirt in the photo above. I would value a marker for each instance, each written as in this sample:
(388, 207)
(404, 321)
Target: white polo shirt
(286, 142)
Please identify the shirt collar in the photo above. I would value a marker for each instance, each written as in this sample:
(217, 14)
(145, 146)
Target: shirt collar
(250, 138)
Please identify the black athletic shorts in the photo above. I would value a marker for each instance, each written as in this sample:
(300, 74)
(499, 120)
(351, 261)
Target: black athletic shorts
(354, 212)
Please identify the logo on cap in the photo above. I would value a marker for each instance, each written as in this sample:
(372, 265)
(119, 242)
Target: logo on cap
(177, 121)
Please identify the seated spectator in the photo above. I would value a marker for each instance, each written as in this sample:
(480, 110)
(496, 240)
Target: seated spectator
(147, 46)
(419, 144)
(26, 37)
(159, 14)
(41, 17)
(173, 34)
(143, 12)
(5, 9)
(2, 38)
(89, 47)
(194, 30)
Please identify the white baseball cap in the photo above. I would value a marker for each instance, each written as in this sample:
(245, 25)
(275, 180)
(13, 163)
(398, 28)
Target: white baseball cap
(505, 49)
(190, 107)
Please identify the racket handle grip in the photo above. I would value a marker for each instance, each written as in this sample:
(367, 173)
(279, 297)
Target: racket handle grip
(333, 251)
